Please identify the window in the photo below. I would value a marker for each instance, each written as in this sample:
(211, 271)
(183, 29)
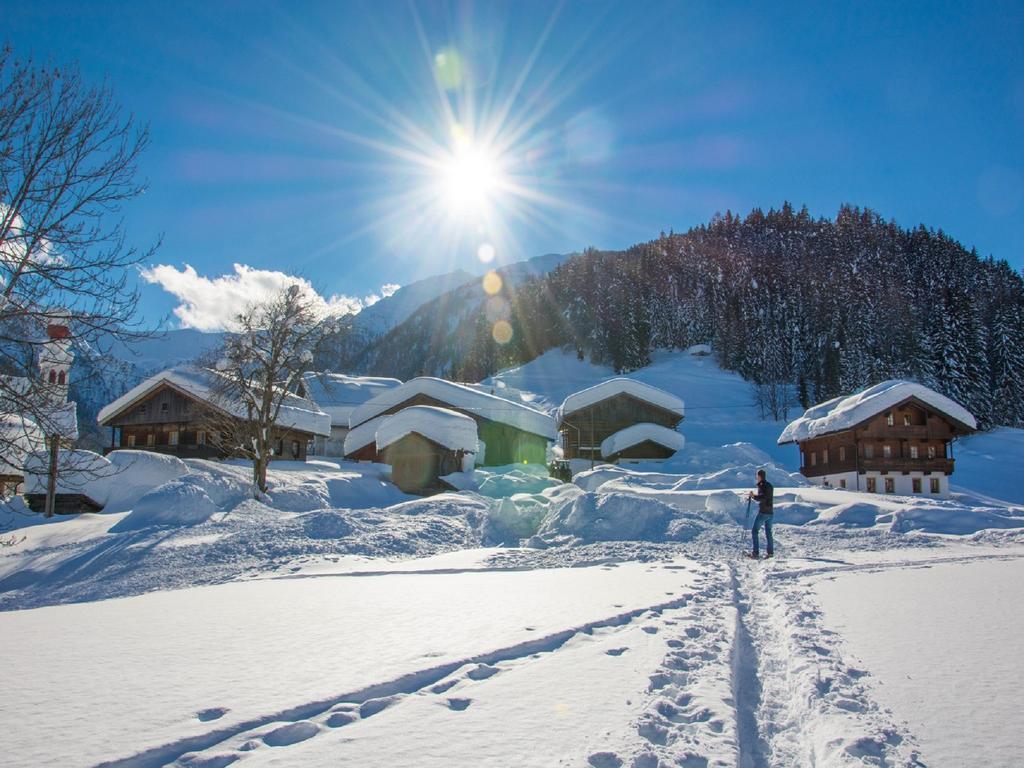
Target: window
(913, 451)
(931, 451)
(934, 482)
(163, 407)
(200, 437)
(172, 438)
(887, 451)
(906, 419)
(869, 451)
(142, 409)
(824, 456)
(131, 441)
(872, 485)
(842, 482)
(53, 377)
(151, 439)
(62, 378)
(803, 458)
(295, 449)
(842, 454)
(814, 458)
(916, 484)
(889, 419)
(890, 485)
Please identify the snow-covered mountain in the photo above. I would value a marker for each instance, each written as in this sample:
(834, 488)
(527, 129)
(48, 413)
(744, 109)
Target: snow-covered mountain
(381, 317)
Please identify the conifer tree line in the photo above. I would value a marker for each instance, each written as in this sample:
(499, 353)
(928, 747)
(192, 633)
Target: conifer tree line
(823, 307)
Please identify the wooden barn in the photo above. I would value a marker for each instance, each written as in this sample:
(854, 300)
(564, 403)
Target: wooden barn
(423, 444)
(895, 437)
(508, 432)
(171, 412)
(589, 418)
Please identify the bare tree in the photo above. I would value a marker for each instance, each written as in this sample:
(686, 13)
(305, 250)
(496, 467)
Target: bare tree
(68, 163)
(260, 364)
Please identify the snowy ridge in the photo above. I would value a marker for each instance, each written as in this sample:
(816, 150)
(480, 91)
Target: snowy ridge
(337, 395)
(639, 433)
(459, 396)
(296, 412)
(448, 428)
(621, 386)
(846, 412)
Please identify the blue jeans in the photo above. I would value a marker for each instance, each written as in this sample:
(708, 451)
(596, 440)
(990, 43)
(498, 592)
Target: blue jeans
(766, 521)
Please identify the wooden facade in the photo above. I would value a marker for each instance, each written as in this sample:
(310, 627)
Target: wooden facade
(584, 430)
(504, 443)
(909, 437)
(168, 420)
(418, 464)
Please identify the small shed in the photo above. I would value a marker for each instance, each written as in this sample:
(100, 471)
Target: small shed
(424, 443)
(642, 442)
(589, 417)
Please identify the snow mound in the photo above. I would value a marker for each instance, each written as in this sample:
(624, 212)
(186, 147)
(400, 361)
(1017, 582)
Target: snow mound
(137, 473)
(957, 522)
(593, 517)
(502, 482)
(453, 430)
(640, 433)
(620, 386)
(462, 398)
(179, 502)
(846, 412)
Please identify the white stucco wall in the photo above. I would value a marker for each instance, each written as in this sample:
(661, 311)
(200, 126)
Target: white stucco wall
(903, 484)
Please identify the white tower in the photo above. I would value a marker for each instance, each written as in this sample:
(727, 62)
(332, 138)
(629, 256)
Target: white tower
(55, 358)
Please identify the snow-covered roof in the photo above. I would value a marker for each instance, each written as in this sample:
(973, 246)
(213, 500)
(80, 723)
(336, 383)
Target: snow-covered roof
(296, 412)
(640, 433)
(842, 413)
(452, 429)
(363, 435)
(19, 436)
(620, 386)
(464, 398)
(337, 394)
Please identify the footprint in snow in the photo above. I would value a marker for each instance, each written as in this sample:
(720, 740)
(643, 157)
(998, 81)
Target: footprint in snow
(482, 672)
(605, 760)
(616, 651)
(650, 630)
(338, 719)
(459, 704)
(212, 713)
(442, 687)
(211, 761)
(371, 707)
(292, 733)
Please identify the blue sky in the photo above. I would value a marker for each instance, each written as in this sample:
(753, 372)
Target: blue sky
(317, 138)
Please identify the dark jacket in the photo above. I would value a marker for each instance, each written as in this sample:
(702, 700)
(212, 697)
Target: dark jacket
(763, 497)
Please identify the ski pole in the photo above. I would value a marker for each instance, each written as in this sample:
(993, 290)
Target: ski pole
(746, 521)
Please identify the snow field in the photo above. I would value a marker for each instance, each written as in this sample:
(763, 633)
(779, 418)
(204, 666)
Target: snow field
(940, 657)
(235, 649)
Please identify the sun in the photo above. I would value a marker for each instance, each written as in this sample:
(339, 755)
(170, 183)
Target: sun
(470, 179)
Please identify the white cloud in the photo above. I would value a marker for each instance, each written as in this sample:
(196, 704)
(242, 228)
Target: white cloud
(210, 304)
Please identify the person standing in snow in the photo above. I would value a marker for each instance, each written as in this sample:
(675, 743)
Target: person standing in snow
(763, 497)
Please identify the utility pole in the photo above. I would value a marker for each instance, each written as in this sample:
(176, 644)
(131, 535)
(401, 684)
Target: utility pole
(51, 478)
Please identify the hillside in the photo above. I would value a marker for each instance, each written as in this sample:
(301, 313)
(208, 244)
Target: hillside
(805, 308)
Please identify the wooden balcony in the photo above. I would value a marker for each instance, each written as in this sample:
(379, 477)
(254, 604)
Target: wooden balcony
(906, 464)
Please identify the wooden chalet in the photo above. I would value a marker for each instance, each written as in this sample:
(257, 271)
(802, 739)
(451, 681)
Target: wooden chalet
(171, 412)
(896, 437)
(589, 418)
(510, 433)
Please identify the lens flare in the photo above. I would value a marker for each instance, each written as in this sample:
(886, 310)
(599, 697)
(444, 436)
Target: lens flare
(486, 253)
(502, 332)
(492, 283)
